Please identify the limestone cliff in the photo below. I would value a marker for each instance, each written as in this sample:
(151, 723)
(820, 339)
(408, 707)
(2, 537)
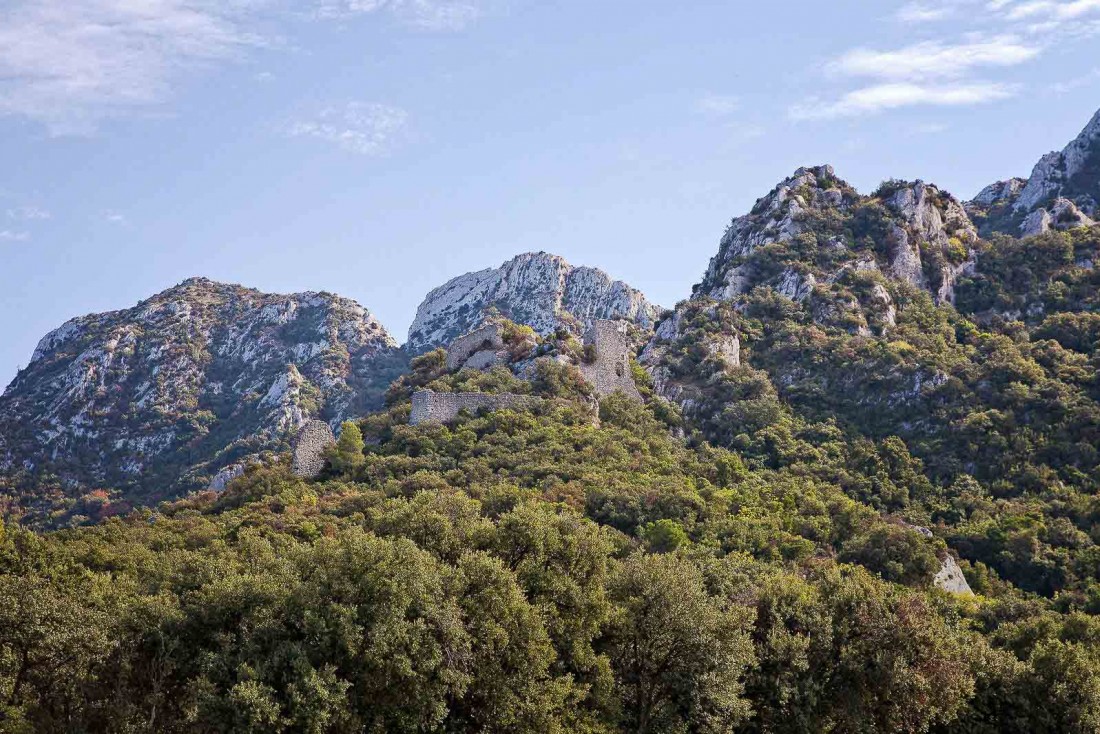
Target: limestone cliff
(813, 227)
(539, 290)
(164, 394)
(1062, 192)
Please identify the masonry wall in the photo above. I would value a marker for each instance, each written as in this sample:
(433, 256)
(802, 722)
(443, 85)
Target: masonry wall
(610, 371)
(309, 447)
(441, 407)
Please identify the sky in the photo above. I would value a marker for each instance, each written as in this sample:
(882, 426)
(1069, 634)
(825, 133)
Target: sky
(377, 148)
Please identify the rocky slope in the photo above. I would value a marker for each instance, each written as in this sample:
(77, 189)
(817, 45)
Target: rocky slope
(1063, 192)
(539, 290)
(162, 395)
(813, 228)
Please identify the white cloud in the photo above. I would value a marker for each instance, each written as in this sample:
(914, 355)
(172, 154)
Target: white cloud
(7, 235)
(922, 13)
(1069, 85)
(366, 129)
(718, 105)
(934, 60)
(114, 217)
(1052, 10)
(433, 15)
(72, 63)
(28, 213)
(881, 97)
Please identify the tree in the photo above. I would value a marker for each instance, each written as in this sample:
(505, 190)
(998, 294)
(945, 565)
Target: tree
(348, 453)
(678, 654)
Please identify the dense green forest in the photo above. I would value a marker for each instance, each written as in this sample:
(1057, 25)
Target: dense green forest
(560, 570)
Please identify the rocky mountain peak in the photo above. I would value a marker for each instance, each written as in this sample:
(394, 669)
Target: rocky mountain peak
(540, 290)
(813, 226)
(187, 381)
(1062, 192)
(779, 217)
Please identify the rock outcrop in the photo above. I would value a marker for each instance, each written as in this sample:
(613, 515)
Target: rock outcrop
(536, 289)
(813, 217)
(480, 349)
(931, 220)
(162, 396)
(1062, 192)
(443, 407)
(779, 217)
(1063, 214)
(950, 577)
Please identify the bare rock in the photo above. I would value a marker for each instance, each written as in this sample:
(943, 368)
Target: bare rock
(539, 290)
(950, 577)
(487, 338)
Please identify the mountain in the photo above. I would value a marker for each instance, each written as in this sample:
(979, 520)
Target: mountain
(156, 398)
(813, 227)
(539, 290)
(1063, 192)
(868, 501)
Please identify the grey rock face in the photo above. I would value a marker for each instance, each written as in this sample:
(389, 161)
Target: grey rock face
(610, 371)
(536, 289)
(1060, 174)
(778, 217)
(486, 339)
(222, 479)
(1024, 207)
(1063, 214)
(198, 376)
(440, 407)
(931, 218)
(308, 451)
(1002, 192)
(811, 204)
(950, 578)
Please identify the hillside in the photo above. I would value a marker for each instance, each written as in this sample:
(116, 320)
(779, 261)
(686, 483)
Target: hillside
(850, 484)
(156, 399)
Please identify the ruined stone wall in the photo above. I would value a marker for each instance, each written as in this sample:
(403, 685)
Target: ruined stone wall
(488, 338)
(610, 371)
(309, 447)
(441, 407)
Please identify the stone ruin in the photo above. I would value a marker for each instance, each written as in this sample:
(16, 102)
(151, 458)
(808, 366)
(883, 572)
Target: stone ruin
(481, 349)
(308, 449)
(610, 371)
(443, 407)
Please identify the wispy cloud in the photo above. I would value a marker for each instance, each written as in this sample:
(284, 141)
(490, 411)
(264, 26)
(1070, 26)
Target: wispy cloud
(7, 235)
(962, 69)
(1070, 85)
(918, 12)
(718, 105)
(934, 60)
(433, 15)
(72, 63)
(114, 217)
(1051, 10)
(28, 213)
(883, 97)
(364, 129)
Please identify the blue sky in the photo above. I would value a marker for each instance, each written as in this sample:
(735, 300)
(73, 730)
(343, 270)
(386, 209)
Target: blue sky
(376, 148)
